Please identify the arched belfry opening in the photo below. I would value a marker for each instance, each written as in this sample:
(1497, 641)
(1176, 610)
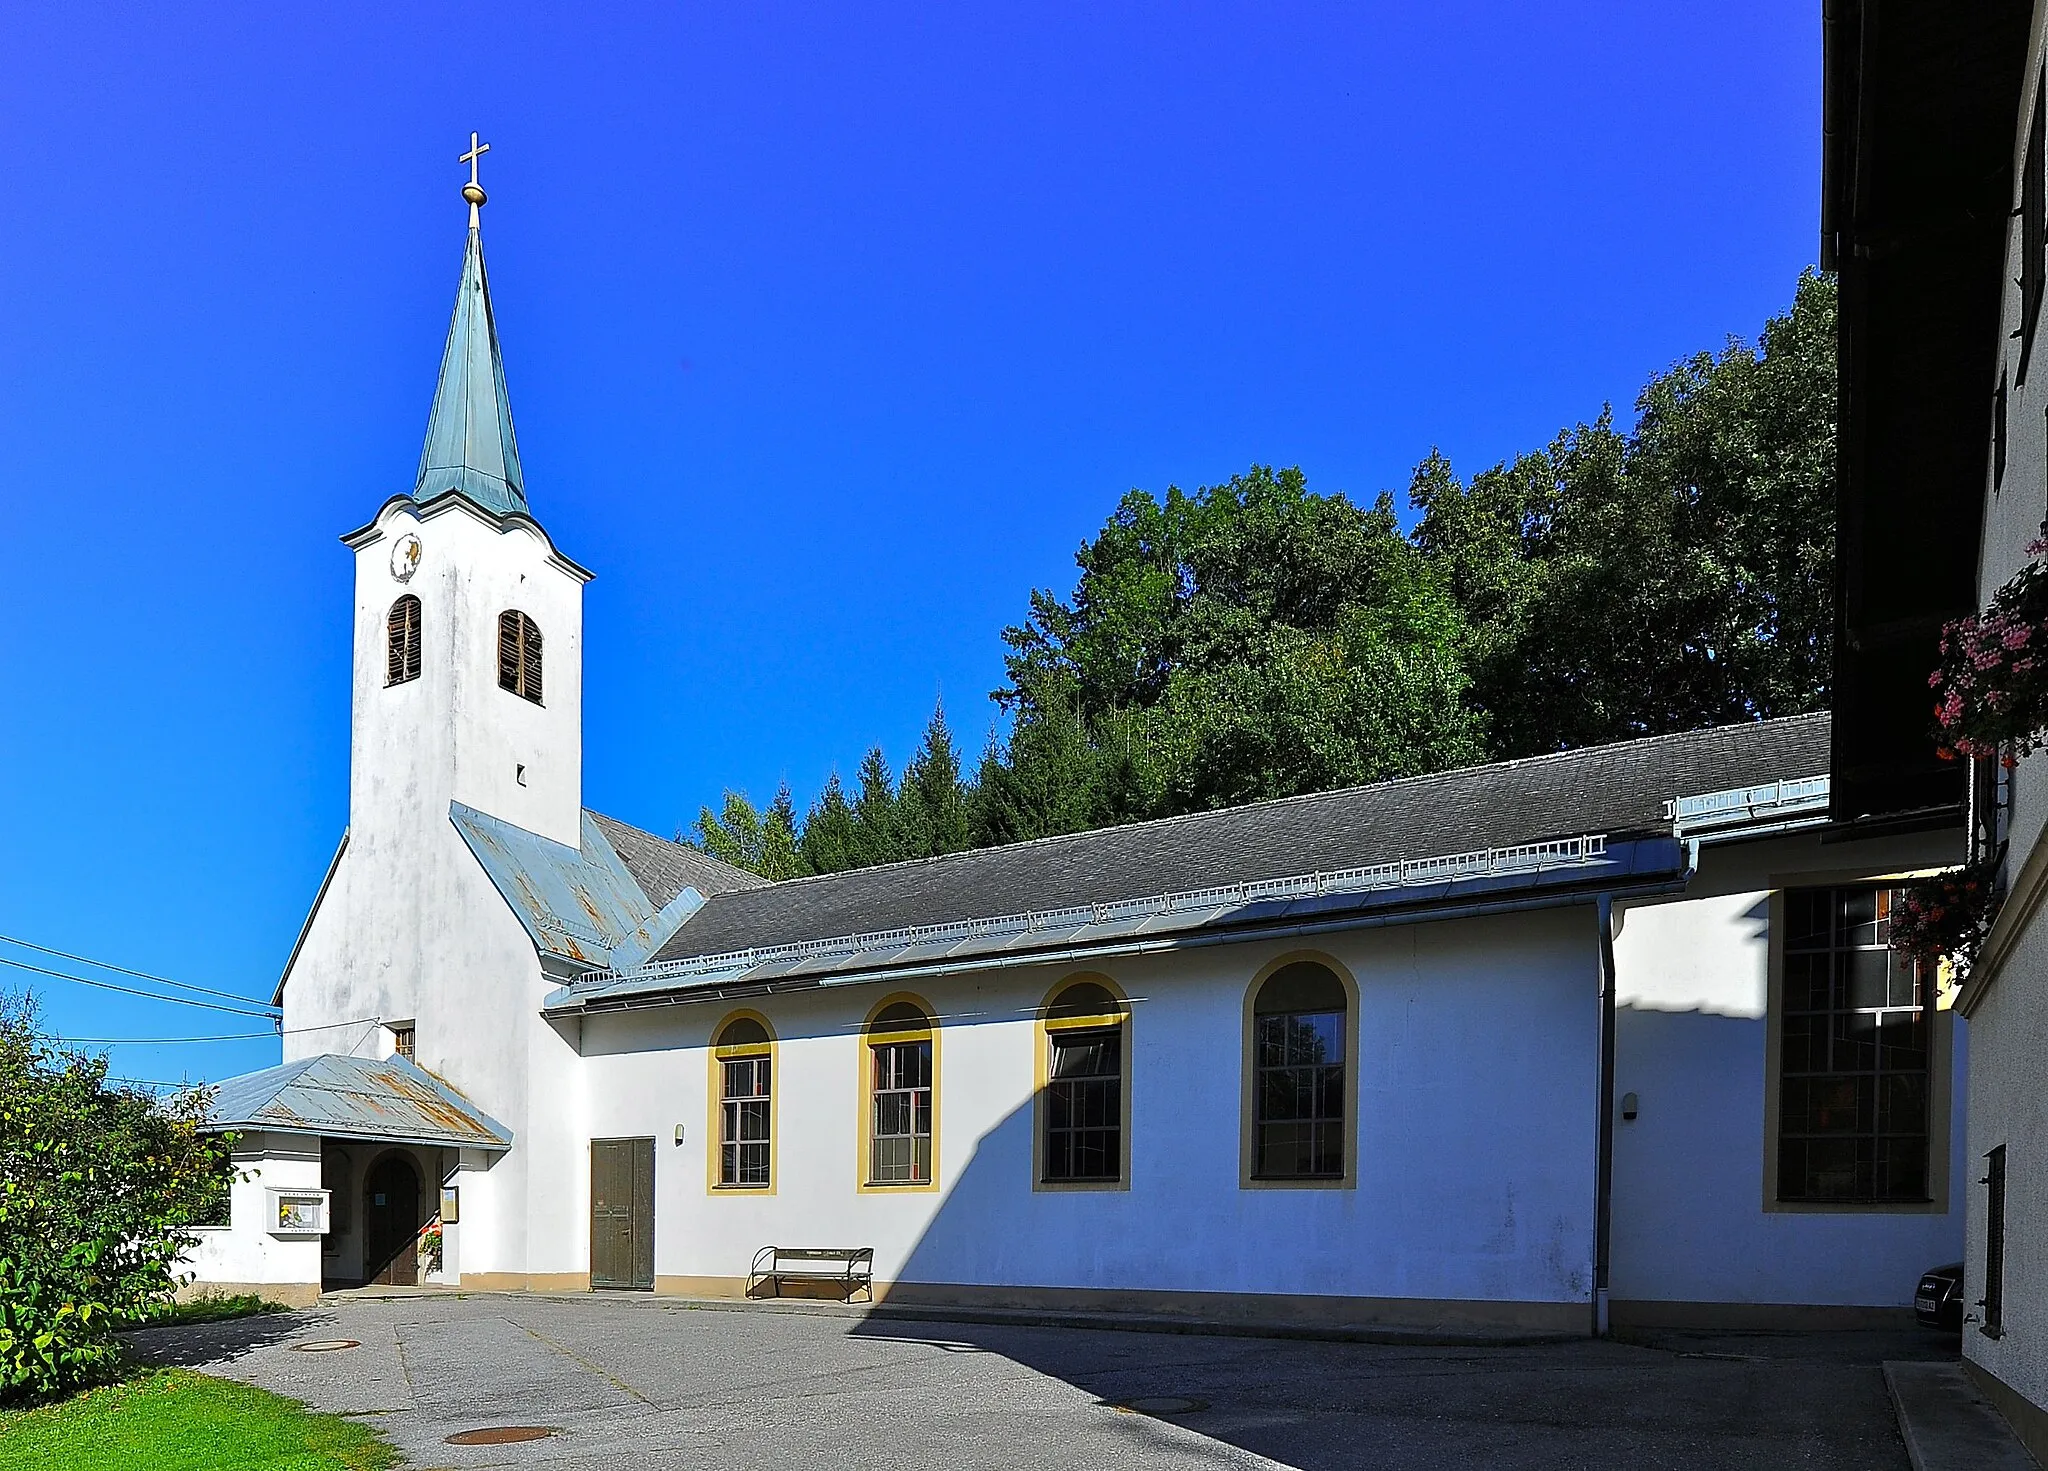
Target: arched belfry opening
(519, 655)
(402, 641)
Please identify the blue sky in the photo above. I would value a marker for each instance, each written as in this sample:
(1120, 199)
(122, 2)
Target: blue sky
(830, 332)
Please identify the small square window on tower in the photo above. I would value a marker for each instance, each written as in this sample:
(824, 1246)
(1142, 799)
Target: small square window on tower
(401, 1040)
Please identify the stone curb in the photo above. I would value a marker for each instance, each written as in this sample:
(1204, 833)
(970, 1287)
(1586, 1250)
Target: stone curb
(1947, 1425)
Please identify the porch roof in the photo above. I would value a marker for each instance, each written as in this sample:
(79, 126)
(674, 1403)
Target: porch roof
(355, 1098)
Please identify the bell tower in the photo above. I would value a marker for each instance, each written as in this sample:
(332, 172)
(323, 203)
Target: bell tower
(468, 679)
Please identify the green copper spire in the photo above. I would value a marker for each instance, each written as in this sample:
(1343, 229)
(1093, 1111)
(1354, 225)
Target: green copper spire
(470, 447)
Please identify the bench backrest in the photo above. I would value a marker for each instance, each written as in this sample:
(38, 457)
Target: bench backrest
(848, 1254)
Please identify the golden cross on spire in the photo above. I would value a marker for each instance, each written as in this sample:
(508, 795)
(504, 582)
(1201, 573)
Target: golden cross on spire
(473, 191)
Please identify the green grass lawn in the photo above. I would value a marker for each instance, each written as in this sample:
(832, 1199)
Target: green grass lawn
(175, 1420)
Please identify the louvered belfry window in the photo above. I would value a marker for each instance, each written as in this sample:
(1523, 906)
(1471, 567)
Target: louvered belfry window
(402, 649)
(519, 655)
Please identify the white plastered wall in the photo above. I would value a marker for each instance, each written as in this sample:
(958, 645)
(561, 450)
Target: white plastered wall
(1476, 1106)
(410, 927)
(243, 1255)
(2008, 1096)
(1691, 1223)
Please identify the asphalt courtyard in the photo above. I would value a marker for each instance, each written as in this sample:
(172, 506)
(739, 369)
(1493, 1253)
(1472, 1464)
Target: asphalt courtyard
(651, 1383)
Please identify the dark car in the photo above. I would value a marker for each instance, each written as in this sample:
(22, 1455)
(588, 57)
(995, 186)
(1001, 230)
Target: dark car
(1938, 1300)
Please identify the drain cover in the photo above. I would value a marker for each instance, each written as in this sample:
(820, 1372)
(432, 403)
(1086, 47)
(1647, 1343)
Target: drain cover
(324, 1345)
(503, 1434)
(1160, 1404)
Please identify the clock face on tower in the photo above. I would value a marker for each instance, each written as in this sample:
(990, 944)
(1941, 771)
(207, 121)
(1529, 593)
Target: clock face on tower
(405, 557)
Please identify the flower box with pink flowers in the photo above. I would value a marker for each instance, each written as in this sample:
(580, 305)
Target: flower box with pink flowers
(1991, 689)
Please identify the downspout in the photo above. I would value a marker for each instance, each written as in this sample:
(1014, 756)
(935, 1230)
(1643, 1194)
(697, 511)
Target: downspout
(1603, 1190)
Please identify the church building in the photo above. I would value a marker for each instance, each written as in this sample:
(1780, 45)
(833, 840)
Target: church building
(1605, 1037)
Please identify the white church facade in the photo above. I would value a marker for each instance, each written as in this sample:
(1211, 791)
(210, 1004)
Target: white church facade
(1604, 1037)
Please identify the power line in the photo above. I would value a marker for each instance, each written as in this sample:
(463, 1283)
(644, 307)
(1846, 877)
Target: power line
(132, 991)
(360, 1021)
(140, 975)
(152, 1083)
(163, 1041)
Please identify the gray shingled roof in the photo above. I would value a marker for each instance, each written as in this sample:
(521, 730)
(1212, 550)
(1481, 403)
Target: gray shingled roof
(663, 869)
(1615, 789)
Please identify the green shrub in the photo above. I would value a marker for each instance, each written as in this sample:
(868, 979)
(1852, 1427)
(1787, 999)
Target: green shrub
(98, 1187)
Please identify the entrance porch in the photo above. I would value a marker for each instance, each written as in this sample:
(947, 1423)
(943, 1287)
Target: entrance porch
(347, 1173)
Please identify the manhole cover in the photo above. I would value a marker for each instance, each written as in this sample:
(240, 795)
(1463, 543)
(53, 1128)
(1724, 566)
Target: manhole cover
(503, 1434)
(325, 1345)
(1160, 1404)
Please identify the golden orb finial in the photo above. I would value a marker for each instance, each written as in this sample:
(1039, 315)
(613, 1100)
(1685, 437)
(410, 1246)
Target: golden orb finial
(473, 191)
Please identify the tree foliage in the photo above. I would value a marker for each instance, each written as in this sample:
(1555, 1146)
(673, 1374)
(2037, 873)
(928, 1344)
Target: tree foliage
(1258, 639)
(98, 1185)
(1249, 640)
(1676, 576)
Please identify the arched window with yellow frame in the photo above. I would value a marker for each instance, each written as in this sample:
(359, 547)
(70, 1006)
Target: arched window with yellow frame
(1084, 1086)
(1300, 1075)
(743, 1104)
(900, 1127)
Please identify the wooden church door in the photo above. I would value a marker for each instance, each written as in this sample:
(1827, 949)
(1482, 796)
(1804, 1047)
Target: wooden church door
(622, 1213)
(391, 1222)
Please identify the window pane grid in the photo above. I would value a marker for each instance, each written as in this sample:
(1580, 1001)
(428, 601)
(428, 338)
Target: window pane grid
(1300, 1097)
(744, 1137)
(1084, 1106)
(900, 1144)
(1853, 1054)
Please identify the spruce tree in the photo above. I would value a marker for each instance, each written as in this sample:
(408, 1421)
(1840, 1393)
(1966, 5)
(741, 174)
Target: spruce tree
(933, 803)
(780, 856)
(877, 828)
(830, 842)
(760, 842)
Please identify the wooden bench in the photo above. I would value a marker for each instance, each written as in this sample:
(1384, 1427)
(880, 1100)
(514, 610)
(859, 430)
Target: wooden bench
(850, 1269)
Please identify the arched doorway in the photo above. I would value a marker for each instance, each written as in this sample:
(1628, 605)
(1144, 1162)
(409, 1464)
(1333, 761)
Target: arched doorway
(391, 1222)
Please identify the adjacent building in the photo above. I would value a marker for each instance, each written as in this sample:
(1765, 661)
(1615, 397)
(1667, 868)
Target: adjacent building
(1935, 215)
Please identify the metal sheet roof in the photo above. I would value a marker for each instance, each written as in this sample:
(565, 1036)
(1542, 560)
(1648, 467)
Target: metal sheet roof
(1559, 867)
(355, 1098)
(582, 904)
(470, 446)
